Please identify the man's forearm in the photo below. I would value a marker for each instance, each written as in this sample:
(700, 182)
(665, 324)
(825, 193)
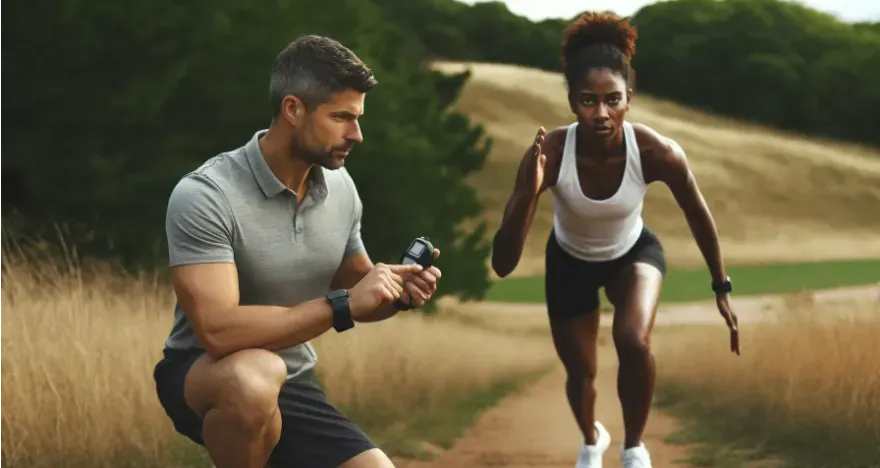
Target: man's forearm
(267, 327)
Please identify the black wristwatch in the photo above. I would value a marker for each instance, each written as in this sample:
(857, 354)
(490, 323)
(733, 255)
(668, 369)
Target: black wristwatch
(338, 299)
(723, 286)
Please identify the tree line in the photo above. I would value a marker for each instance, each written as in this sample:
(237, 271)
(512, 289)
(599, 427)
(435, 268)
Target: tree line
(773, 62)
(112, 102)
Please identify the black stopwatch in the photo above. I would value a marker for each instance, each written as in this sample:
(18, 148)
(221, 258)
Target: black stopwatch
(420, 251)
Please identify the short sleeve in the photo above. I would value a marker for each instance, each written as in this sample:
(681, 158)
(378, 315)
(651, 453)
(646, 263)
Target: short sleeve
(198, 223)
(355, 243)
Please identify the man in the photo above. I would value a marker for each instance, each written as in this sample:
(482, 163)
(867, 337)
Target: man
(266, 255)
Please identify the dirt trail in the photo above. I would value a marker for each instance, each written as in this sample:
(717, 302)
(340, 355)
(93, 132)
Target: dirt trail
(535, 428)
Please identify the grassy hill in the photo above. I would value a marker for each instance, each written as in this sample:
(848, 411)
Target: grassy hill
(776, 197)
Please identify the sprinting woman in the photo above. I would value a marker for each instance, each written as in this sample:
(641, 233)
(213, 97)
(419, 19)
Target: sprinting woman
(598, 169)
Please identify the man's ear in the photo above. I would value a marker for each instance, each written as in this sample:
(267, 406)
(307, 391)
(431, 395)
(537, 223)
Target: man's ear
(571, 105)
(292, 110)
(629, 96)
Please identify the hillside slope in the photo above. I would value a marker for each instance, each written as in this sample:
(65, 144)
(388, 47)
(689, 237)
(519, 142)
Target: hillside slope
(775, 197)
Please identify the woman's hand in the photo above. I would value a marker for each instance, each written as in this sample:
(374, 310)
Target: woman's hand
(723, 301)
(531, 172)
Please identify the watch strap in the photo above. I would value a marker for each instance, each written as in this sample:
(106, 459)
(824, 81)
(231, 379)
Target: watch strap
(342, 319)
(722, 286)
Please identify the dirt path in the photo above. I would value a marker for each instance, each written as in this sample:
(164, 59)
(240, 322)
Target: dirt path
(535, 428)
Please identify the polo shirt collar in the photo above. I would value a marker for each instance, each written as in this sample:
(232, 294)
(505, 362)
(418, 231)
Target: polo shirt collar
(269, 183)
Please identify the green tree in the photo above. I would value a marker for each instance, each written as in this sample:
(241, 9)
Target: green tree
(769, 61)
(114, 102)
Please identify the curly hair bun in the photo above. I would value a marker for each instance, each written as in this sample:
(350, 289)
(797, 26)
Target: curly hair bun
(600, 28)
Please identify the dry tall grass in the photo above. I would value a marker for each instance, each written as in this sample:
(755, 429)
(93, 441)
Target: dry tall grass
(79, 345)
(808, 384)
(775, 196)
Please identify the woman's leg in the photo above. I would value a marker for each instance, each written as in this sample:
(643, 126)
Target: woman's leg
(573, 309)
(575, 342)
(634, 292)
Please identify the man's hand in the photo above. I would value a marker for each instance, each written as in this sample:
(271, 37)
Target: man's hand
(723, 302)
(383, 284)
(420, 287)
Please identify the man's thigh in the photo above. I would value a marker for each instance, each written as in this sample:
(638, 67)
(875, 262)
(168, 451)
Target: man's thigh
(170, 377)
(315, 434)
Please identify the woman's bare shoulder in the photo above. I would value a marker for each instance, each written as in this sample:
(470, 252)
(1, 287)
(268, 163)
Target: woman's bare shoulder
(659, 153)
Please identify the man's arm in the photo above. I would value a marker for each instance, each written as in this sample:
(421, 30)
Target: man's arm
(199, 226)
(356, 264)
(353, 269)
(672, 168)
(208, 294)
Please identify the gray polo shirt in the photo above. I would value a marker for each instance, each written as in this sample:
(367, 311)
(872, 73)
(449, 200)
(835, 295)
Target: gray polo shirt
(233, 209)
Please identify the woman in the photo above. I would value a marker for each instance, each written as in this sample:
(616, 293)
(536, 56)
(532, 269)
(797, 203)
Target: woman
(598, 169)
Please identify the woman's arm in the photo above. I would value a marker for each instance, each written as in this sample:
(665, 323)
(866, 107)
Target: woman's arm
(538, 170)
(507, 245)
(666, 161)
(670, 166)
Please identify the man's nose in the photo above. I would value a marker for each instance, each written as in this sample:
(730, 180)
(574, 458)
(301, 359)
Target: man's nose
(601, 112)
(354, 133)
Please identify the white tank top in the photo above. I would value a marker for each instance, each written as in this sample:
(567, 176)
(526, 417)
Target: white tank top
(598, 230)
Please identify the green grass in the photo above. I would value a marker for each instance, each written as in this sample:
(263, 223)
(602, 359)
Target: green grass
(683, 285)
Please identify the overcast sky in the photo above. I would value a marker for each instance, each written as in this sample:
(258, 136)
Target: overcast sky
(847, 10)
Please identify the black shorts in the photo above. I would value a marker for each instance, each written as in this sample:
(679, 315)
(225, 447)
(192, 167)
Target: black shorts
(571, 285)
(313, 432)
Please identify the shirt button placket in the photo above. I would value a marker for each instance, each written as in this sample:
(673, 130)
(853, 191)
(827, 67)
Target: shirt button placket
(297, 222)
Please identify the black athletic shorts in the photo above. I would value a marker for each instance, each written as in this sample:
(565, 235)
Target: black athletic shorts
(313, 432)
(571, 285)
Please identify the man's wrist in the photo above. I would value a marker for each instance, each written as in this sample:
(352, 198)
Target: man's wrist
(340, 303)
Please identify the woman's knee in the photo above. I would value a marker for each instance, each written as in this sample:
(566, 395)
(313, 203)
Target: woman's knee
(576, 346)
(631, 342)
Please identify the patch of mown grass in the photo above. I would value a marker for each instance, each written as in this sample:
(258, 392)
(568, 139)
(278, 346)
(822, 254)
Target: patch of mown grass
(693, 284)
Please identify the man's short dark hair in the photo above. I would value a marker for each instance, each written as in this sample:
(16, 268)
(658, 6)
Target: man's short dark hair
(313, 68)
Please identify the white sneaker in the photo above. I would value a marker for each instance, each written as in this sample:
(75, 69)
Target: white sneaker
(635, 457)
(591, 455)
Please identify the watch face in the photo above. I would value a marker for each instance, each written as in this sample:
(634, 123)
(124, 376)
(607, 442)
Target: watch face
(337, 294)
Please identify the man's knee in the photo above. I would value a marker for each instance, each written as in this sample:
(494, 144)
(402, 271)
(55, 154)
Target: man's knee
(373, 458)
(243, 385)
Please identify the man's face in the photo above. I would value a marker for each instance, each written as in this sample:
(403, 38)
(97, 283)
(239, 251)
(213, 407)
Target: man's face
(327, 133)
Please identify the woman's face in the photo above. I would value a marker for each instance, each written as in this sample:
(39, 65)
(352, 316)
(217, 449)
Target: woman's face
(601, 102)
